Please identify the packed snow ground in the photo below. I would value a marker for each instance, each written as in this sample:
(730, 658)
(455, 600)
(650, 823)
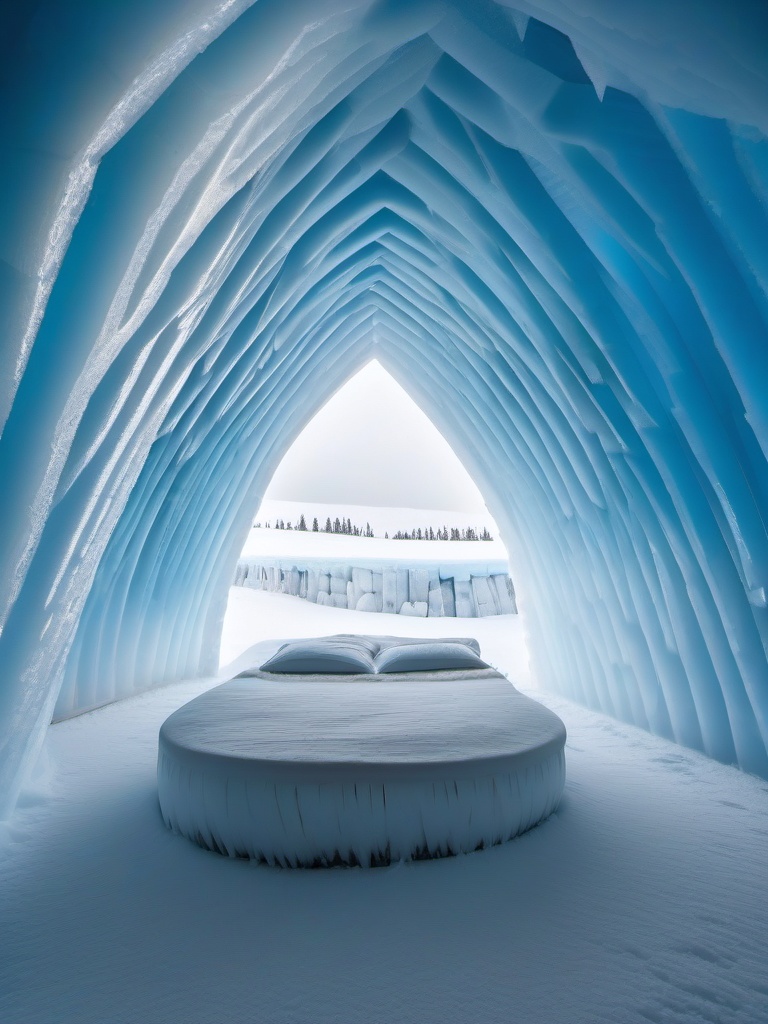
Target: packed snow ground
(643, 898)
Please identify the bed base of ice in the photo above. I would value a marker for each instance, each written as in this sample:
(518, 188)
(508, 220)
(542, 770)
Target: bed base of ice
(356, 822)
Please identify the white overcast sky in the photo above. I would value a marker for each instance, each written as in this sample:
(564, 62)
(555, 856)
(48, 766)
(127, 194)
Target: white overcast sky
(372, 445)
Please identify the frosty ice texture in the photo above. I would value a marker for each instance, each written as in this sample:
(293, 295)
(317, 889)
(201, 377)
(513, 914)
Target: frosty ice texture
(548, 222)
(490, 588)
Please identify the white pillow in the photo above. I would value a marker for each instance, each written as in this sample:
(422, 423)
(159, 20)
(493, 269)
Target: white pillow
(407, 641)
(327, 656)
(428, 657)
(361, 640)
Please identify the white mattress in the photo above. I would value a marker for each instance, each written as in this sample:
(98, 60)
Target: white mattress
(359, 769)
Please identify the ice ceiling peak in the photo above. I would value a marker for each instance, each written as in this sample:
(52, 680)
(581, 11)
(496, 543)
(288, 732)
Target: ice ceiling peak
(551, 215)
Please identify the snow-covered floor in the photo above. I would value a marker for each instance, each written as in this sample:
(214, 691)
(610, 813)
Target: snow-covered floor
(642, 899)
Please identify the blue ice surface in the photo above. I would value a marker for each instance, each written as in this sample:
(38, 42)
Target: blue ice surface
(548, 222)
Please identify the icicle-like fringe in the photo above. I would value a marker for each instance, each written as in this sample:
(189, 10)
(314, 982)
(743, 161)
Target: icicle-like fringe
(356, 822)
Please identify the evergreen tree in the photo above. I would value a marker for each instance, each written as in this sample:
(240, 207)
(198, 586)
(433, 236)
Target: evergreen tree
(289, 527)
(386, 535)
(328, 527)
(337, 525)
(349, 526)
(302, 524)
(315, 527)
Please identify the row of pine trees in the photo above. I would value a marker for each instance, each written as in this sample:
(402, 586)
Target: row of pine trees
(455, 533)
(348, 528)
(344, 526)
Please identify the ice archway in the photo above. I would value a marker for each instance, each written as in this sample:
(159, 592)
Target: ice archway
(549, 219)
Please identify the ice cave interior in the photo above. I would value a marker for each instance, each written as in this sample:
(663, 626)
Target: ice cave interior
(545, 218)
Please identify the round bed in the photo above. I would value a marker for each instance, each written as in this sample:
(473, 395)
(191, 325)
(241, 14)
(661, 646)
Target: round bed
(311, 770)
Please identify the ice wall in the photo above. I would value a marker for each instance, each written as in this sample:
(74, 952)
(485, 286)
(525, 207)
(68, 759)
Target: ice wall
(547, 220)
(462, 589)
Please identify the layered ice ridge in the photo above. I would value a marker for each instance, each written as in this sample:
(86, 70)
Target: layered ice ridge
(461, 589)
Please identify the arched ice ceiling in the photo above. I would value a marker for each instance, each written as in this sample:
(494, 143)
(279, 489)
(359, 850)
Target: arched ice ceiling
(547, 220)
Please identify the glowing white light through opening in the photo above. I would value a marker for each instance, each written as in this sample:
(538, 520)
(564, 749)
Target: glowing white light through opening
(372, 445)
